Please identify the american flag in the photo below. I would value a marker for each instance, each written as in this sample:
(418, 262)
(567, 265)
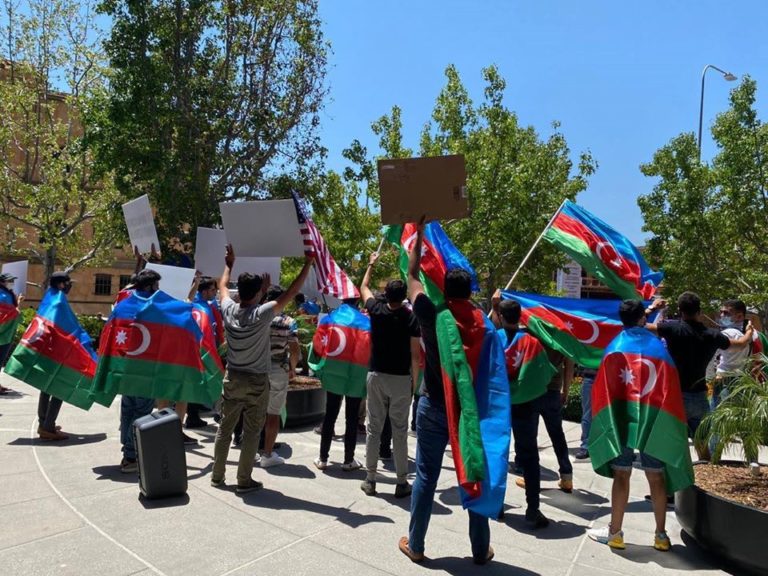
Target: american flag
(331, 279)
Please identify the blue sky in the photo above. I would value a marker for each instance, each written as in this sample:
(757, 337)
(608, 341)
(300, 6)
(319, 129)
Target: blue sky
(623, 78)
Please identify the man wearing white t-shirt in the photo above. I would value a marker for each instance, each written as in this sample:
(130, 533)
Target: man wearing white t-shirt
(734, 325)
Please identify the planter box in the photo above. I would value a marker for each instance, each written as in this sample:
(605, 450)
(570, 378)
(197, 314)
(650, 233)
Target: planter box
(729, 529)
(304, 406)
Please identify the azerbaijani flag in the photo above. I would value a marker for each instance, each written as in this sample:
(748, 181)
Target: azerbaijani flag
(9, 317)
(214, 315)
(604, 252)
(213, 375)
(637, 402)
(55, 354)
(150, 347)
(341, 350)
(528, 367)
(578, 328)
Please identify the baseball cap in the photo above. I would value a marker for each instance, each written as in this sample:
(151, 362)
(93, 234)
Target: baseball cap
(60, 277)
(6, 277)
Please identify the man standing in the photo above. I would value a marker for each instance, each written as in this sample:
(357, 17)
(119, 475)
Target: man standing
(246, 384)
(394, 366)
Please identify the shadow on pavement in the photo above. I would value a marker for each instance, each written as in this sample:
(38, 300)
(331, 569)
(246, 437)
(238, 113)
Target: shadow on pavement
(405, 503)
(271, 499)
(679, 557)
(462, 566)
(171, 502)
(113, 473)
(557, 529)
(580, 503)
(73, 440)
(290, 471)
(200, 471)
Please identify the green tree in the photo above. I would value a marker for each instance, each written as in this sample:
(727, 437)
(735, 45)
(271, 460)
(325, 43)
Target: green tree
(55, 201)
(208, 99)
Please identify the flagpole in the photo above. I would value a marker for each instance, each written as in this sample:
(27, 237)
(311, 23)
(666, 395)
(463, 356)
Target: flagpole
(527, 256)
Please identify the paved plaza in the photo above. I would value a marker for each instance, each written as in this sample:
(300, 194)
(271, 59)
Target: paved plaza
(65, 509)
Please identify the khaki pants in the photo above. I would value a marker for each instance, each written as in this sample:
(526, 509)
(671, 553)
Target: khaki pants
(388, 394)
(247, 394)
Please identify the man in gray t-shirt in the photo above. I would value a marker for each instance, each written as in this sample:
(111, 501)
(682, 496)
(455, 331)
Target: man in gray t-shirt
(246, 384)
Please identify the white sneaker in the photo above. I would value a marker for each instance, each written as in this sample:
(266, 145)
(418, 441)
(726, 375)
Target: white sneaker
(272, 460)
(257, 458)
(351, 466)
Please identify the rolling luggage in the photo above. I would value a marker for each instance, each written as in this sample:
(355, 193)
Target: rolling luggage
(160, 454)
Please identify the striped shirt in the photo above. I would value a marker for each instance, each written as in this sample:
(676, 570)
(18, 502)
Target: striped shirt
(283, 331)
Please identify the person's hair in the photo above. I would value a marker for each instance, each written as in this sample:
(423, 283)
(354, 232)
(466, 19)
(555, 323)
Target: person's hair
(736, 306)
(631, 312)
(395, 291)
(299, 298)
(458, 284)
(689, 304)
(248, 286)
(510, 311)
(206, 283)
(274, 293)
(59, 282)
(145, 279)
(351, 302)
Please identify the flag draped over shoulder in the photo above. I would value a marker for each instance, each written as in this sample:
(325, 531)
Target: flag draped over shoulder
(213, 374)
(604, 252)
(9, 317)
(341, 350)
(331, 279)
(150, 347)
(637, 402)
(473, 371)
(528, 367)
(577, 328)
(55, 354)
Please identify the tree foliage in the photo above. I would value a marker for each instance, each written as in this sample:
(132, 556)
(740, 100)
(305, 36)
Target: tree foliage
(54, 199)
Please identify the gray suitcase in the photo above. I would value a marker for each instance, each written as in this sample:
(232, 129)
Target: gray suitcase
(160, 454)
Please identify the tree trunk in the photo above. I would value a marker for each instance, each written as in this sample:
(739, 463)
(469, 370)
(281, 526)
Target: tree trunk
(49, 264)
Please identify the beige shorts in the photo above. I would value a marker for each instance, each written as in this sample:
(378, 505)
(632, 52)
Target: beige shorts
(278, 391)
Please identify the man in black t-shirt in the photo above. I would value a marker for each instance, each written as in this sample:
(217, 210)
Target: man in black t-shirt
(692, 345)
(393, 370)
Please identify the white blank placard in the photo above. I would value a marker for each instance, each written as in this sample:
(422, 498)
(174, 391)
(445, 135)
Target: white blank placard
(210, 249)
(263, 228)
(19, 269)
(175, 281)
(141, 224)
(257, 266)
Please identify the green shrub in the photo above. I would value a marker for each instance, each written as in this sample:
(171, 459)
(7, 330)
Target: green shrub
(572, 408)
(93, 325)
(25, 318)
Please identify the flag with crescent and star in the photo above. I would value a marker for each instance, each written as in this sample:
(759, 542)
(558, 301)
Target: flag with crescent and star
(213, 375)
(578, 328)
(637, 402)
(150, 347)
(528, 367)
(341, 350)
(55, 354)
(605, 253)
(9, 317)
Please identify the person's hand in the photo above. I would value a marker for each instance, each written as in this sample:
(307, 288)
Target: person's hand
(309, 258)
(229, 257)
(373, 258)
(266, 282)
(154, 253)
(658, 304)
(496, 299)
(20, 299)
(750, 327)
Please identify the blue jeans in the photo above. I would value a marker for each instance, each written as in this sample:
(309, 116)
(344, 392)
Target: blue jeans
(131, 408)
(551, 410)
(431, 440)
(586, 410)
(696, 407)
(720, 393)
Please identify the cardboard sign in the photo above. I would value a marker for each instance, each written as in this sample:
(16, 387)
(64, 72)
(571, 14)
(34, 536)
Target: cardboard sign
(20, 270)
(210, 248)
(569, 280)
(257, 266)
(311, 291)
(141, 224)
(174, 281)
(434, 187)
(263, 228)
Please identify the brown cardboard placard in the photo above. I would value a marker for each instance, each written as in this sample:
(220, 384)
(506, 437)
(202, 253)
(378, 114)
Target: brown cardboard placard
(434, 186)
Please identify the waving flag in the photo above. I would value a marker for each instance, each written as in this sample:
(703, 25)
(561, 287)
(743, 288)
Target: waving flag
(150, 347)
(213, 375)
(341, 350)
(577, 328)
(9, 317)
(637, 402)
(55, 354)
(331, 279)
(214, 317)
(528, 367)
(604, 252)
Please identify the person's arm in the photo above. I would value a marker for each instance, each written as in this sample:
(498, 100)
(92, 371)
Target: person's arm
(495, 301)
(365, 291)
(744, 339)
(658, 304)
(141, 263)
(193, 288)
(229, 261)
(287, 296)
(415, 353)
(568, 370)
(415, 287)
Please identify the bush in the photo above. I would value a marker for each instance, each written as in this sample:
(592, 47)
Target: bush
(572, 408)
(92, 324)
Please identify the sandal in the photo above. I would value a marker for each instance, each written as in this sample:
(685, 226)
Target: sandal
(412, 556)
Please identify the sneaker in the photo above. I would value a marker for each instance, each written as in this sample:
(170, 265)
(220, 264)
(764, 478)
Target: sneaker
(402, 490)
(604, 536)
(412, 556)
(252, 486)
(272, 459)
(369, 487)
(217, 483)
(351, 466)
(566, 483)
(188, 440)
(321, 464)
(488, 557)
(195, 423)
(661, 542)
(520, 482)
(129, 466)
(581, 454)
(536, 520)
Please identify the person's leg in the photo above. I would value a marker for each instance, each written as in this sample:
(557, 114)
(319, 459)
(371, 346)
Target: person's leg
(238, 431)
(658, 487)
(586, 413)
(51, 414)
(479, 536)
(525, 418)
(414, 409)
(332, 407)
(431, 440)
(377, 409)
(620, 497)
(42, 408)
(399, 391)
(385, 441)
(278, 393)
(255, 403)
(140, 407)
(552, 414)
(231, 412)
(126, 418)
(352, 405)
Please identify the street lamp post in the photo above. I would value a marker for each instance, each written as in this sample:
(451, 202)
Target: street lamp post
(728, 76)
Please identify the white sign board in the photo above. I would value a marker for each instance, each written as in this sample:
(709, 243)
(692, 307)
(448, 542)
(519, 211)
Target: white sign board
(569, 280)
(141, 224)
(257, 266)
(263, 228)
(174, 281)
(311, 291)
(20, 270)
(210, 248)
